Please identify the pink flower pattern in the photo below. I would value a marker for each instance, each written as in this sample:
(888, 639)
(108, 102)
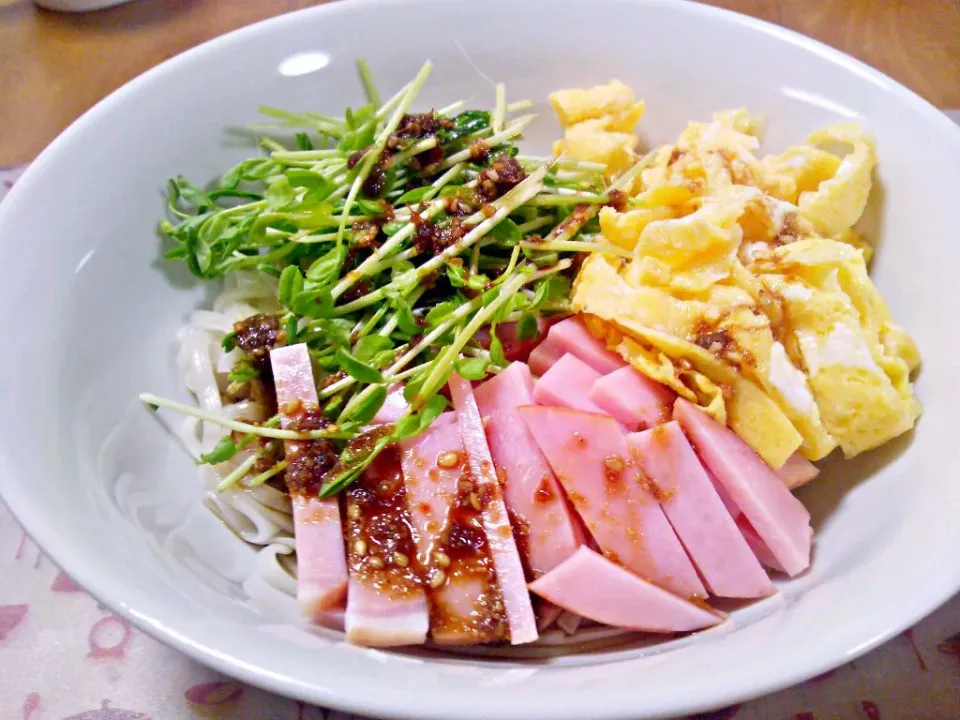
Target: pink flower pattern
(63, 656)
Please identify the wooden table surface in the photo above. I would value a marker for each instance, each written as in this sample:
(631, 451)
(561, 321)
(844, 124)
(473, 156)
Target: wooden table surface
(53, 66)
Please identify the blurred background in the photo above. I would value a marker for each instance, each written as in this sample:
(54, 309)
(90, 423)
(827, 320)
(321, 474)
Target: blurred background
(55, 65)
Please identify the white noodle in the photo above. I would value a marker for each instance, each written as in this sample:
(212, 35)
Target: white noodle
(262, 516)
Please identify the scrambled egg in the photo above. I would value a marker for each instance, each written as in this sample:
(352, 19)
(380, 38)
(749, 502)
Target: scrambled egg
(598, 124)
(748, 290)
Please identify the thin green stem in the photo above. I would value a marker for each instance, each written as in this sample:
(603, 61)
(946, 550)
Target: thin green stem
(242, 469)
(260, 479)
(451, 108)
(372, 155)
(444, 361)
(542, 222)
(499, 109)
(579, 246)
(559, 200)
(366, 267)
(418, 147)
(508, 203)
(518, 126)
(519, 105)
(369, 87)
(257, 430)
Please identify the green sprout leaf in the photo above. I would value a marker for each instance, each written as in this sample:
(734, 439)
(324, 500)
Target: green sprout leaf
(474, 368)
(357, 369)
(224, 450)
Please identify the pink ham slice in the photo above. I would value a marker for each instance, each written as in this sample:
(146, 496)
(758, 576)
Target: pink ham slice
(760, 550)
(429, 487)
(393, 407)
(590, 585)
(550, 533)
(588, 453)
(698, 515)
(386, 602)
(496, 522)
(547, 530)
(321, 563)
(797, 471)
(567, 384)
(571, 336)
(514, 349)
(781, 521)
(633, 399)
(434, 469)
(543, 357)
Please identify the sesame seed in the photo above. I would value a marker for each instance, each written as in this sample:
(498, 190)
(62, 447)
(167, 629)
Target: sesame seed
(475, 501)
(437, 578)
(443, 560)
(449, 459)
(376, 563)
(401, 559)
(353, 511)
(613, 463)
(290, 407)
(501, 476)
(236, 388)
(360, 547)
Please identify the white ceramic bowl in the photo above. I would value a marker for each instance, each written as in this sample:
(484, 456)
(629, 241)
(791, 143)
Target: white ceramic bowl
(89, 314)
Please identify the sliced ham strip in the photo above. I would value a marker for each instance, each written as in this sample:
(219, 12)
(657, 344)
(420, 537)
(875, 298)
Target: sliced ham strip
(321, 567)
(797, 471)
(496, 522)
(372, 622)
(321, 563)
(431, 488)
(547, 614)
(393, 407)
(698, 515)
(590, 585)
(546, 529)
(779, 518)
(514, 349)
(569, 622)
(567, 384)
(466, 606)
(543, 356)
(386, 602)
(633, 399)
(757, 546)
(588, 453)
(572, 336)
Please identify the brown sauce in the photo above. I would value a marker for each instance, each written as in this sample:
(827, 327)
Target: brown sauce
(308, 460)
(380, 547)
(434, 238)
(502, 176)
(256, 336)
(461, 554)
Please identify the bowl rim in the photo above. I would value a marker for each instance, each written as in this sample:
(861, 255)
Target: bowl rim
(939, 590)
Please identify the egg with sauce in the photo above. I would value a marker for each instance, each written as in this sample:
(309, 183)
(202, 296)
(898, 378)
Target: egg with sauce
(747, 292)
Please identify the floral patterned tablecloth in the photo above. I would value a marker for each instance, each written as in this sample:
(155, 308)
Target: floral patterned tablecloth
(65, 656)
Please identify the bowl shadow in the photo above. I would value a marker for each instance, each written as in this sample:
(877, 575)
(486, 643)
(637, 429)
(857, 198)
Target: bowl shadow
(839, 476)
